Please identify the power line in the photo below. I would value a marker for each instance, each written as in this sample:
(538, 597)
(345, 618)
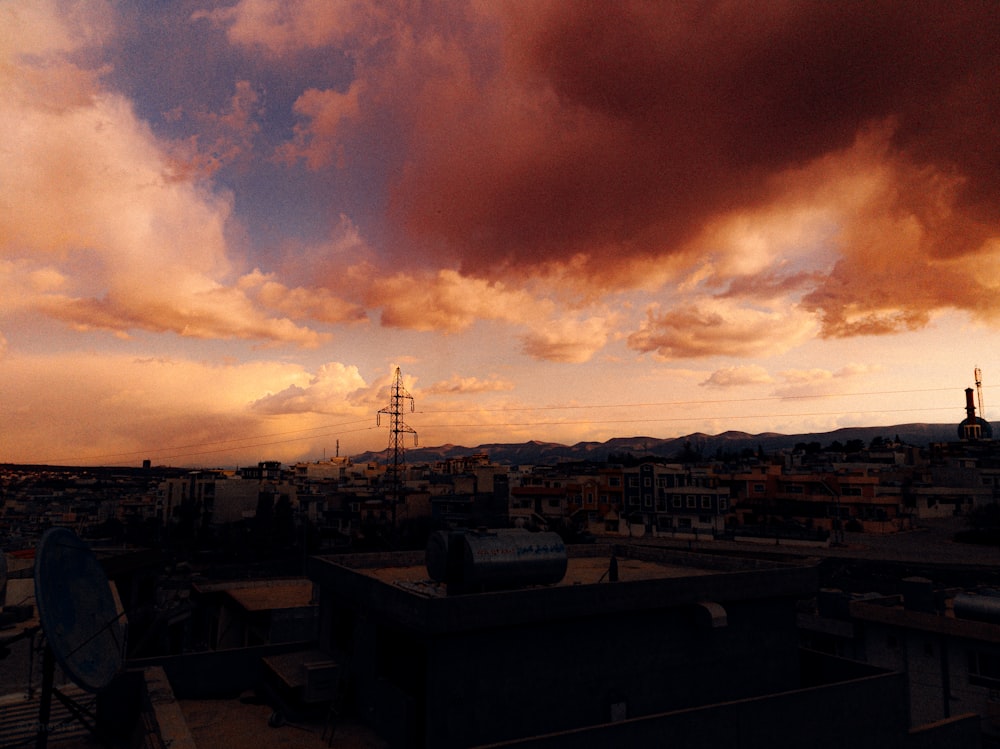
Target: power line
(491, 424)
(678, 418)
(195, 450)
(700, 401)
(197, 446)
(259, 444)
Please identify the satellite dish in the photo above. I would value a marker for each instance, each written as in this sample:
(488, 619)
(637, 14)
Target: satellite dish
(78, 612)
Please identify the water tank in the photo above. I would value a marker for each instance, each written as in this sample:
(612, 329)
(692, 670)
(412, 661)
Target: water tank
(982, 607)
(496, 559)
(436, 555)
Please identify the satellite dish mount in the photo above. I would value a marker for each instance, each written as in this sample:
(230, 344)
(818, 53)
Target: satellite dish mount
(83, 624)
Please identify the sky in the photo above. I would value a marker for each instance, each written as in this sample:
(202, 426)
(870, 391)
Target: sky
(224, 225)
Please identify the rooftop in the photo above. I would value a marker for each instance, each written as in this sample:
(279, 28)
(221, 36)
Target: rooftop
(241, 723)
(398, 584)
(579, 571)
(288, 594)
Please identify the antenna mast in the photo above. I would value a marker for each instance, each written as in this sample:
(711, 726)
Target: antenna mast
(397, 428)
(978, 374)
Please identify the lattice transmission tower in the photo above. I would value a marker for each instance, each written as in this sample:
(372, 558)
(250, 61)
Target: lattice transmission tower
(397, 428)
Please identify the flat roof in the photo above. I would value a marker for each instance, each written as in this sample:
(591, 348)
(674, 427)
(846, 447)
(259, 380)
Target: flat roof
(284, 595)
(235, 723)
(398, 585)
(579, 571)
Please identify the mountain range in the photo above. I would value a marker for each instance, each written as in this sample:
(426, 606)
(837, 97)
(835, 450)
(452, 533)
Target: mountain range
(708, 446)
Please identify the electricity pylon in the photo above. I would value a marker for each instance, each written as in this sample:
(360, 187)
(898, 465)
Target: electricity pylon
(397, 428)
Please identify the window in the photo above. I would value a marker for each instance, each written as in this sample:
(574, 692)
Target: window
(706, 502)
(683, 522)
(633, 481)
(614, 481)
(647, 500)
(795, 489)
(647, 481)
(984, 669)
(691, 500)
(758, 488)
(972, 431)
(723, 504)
(677, 500)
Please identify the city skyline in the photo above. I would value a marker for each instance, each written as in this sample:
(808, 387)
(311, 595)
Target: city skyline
(223, 225)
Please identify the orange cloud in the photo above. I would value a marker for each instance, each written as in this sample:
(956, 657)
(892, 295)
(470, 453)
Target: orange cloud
(449, 301)
(570, 340)
(746, 374)
(223, 138)
(284, 26)
(317, 140)
(331, 391)
(717, 328)
(593, 141)
(468, 385)
(220, 313)
(115, 409)
(804, 383)
(105, 235)
(318, 304)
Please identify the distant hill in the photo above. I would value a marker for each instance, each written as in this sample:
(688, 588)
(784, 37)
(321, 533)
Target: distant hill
(541, 453)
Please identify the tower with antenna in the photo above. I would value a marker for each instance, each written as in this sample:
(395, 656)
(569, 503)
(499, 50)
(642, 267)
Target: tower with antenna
(397, 429)
(978, 374)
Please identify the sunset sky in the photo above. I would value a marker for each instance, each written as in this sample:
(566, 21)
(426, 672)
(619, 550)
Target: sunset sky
(223, 225)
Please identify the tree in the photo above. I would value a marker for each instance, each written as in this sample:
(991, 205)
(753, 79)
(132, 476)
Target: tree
(854, 446)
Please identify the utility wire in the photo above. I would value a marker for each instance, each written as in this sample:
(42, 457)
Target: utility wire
(700, 401)
(493, 424)
(194, 450)
(673, 418)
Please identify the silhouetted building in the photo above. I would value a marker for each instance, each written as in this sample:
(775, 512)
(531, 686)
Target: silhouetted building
(688, 649)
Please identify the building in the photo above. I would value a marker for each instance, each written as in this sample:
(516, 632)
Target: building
(631, 646)
(945, 641)
(673, 499)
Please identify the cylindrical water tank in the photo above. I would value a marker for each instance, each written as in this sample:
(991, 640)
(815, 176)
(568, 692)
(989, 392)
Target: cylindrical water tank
(980, 607)
(505, 558)
(436, 556)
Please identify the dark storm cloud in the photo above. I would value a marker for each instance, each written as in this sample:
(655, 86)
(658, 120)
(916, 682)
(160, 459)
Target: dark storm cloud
(632, 124)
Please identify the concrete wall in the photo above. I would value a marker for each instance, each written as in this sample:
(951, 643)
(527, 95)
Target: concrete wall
(938, 669)
(556, 675)
(867, 713)
(216, 673)
(233, 498)
(459, 670)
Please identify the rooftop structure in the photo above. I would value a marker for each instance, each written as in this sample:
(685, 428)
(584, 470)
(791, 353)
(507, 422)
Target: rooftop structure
(945, 640)
(700, 648)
